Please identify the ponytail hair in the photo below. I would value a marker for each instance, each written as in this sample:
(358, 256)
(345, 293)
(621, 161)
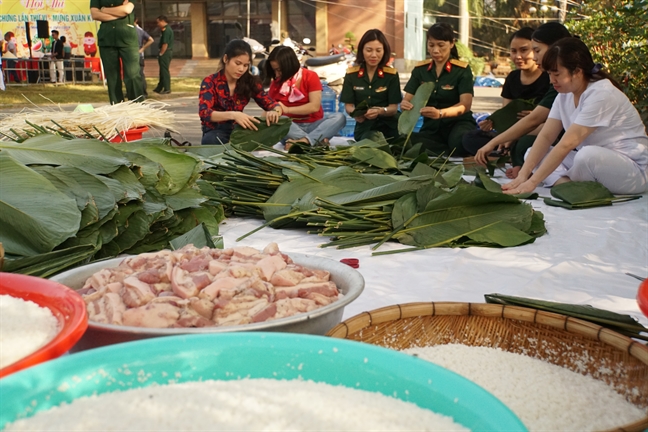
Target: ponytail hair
(571, 53)
(247, 84)
(444, 32)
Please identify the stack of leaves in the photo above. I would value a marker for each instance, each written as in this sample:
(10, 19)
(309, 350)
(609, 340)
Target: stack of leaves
(581, 195)
(246, 181)
(423, 210)
(623, 324)
(67, 202)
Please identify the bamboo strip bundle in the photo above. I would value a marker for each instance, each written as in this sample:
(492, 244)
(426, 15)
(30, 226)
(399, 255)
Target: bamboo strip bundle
(572, 343)
(103, 122)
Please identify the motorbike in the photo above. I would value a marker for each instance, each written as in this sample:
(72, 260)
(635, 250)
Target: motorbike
(259, 55)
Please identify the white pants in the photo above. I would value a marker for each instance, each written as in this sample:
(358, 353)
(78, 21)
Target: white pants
(61, 70)
(615, 171)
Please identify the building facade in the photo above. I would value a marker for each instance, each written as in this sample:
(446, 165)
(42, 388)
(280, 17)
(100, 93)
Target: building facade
(202, 29)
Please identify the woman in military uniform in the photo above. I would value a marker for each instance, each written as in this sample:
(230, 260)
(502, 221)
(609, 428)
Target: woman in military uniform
(377, 84)
(447, 116)
(117, 40)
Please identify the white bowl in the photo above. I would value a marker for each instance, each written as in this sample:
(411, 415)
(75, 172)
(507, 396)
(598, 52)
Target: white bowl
(349, 281)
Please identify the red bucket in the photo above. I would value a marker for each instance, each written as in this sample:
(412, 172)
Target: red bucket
(642, 297)
(130, 135)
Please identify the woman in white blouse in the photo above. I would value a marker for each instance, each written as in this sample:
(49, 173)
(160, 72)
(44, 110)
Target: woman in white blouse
(604, 141)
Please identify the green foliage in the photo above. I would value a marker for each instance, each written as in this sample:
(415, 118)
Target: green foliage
(616, 33)
(476, 63)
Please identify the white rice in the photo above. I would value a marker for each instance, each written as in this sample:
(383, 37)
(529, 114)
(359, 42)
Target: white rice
(245, 405)
(24, 328)
(544, 396)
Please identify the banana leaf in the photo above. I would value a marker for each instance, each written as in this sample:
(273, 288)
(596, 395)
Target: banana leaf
(134, 189)
(407, 120)
(485, 182)
(26, 228)
(55, 261)
(199, 237)
(185, 198)
(453, 176)
(147, 172)
(391, 191)
(374, 157)
(473, 213)
(81, 184)
(93, 156)
(625, 323)
(248, 139)
(178, 169)
(360, 109)
(581, 195)
(506, 116)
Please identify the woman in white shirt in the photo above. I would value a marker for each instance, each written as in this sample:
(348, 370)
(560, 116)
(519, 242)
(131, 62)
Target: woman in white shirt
(604, 141)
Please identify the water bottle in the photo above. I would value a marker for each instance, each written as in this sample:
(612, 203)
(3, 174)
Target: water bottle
(329, 99)
(419, 125)
(347, 131)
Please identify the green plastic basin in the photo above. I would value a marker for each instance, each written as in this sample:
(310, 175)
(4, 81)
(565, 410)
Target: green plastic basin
(253, 355)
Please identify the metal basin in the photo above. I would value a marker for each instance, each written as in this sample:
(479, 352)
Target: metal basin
(349, 281)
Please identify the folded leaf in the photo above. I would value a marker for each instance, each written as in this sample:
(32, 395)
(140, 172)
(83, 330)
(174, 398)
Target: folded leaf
(96, 157)
(248, 139)
(35, 217)
(360, 109)
(374, 157)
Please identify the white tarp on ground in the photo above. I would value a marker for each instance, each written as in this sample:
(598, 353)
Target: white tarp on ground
(582, 259)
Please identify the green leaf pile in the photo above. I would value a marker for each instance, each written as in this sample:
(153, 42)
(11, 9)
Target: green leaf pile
(362, 195)
(574, 195)
(67, 202)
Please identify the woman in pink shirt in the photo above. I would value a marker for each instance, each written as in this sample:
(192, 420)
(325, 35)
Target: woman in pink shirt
(299, 93)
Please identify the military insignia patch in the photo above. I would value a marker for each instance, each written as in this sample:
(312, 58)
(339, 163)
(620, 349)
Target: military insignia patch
(447, 87)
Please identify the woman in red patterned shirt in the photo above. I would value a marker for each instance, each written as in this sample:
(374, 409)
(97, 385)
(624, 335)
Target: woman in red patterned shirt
(299, 93)
(224, 95)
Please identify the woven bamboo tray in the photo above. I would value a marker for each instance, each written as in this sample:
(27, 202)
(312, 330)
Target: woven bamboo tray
(578, 345)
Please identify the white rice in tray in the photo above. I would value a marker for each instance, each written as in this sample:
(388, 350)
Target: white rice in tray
(24, 328)
(245, 405)
(544, 396)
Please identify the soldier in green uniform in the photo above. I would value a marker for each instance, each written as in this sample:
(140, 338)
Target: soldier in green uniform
(375, 83)
(164, 57)
(447, 115)
(117, 40)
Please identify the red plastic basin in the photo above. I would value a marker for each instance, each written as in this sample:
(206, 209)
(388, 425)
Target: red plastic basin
(130, 135)
(66, 305)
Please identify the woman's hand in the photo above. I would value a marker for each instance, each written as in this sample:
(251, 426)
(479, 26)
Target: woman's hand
(406, 105)
(373, 113)
(272, 116)
(523, 114)
(485, 125)
(527, 186)
(430, 112)
(245, 121)
(522, 184)
(482, 154)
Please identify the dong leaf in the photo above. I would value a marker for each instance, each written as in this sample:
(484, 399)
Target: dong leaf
(506, 116)
(360, 109)
(387, 192)
(93, 156)
(34, 215)
(599, 316)
(249, 139)
(199, 237)
(407, 120)
(374, 157)
(580, 195)
(178, 169)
